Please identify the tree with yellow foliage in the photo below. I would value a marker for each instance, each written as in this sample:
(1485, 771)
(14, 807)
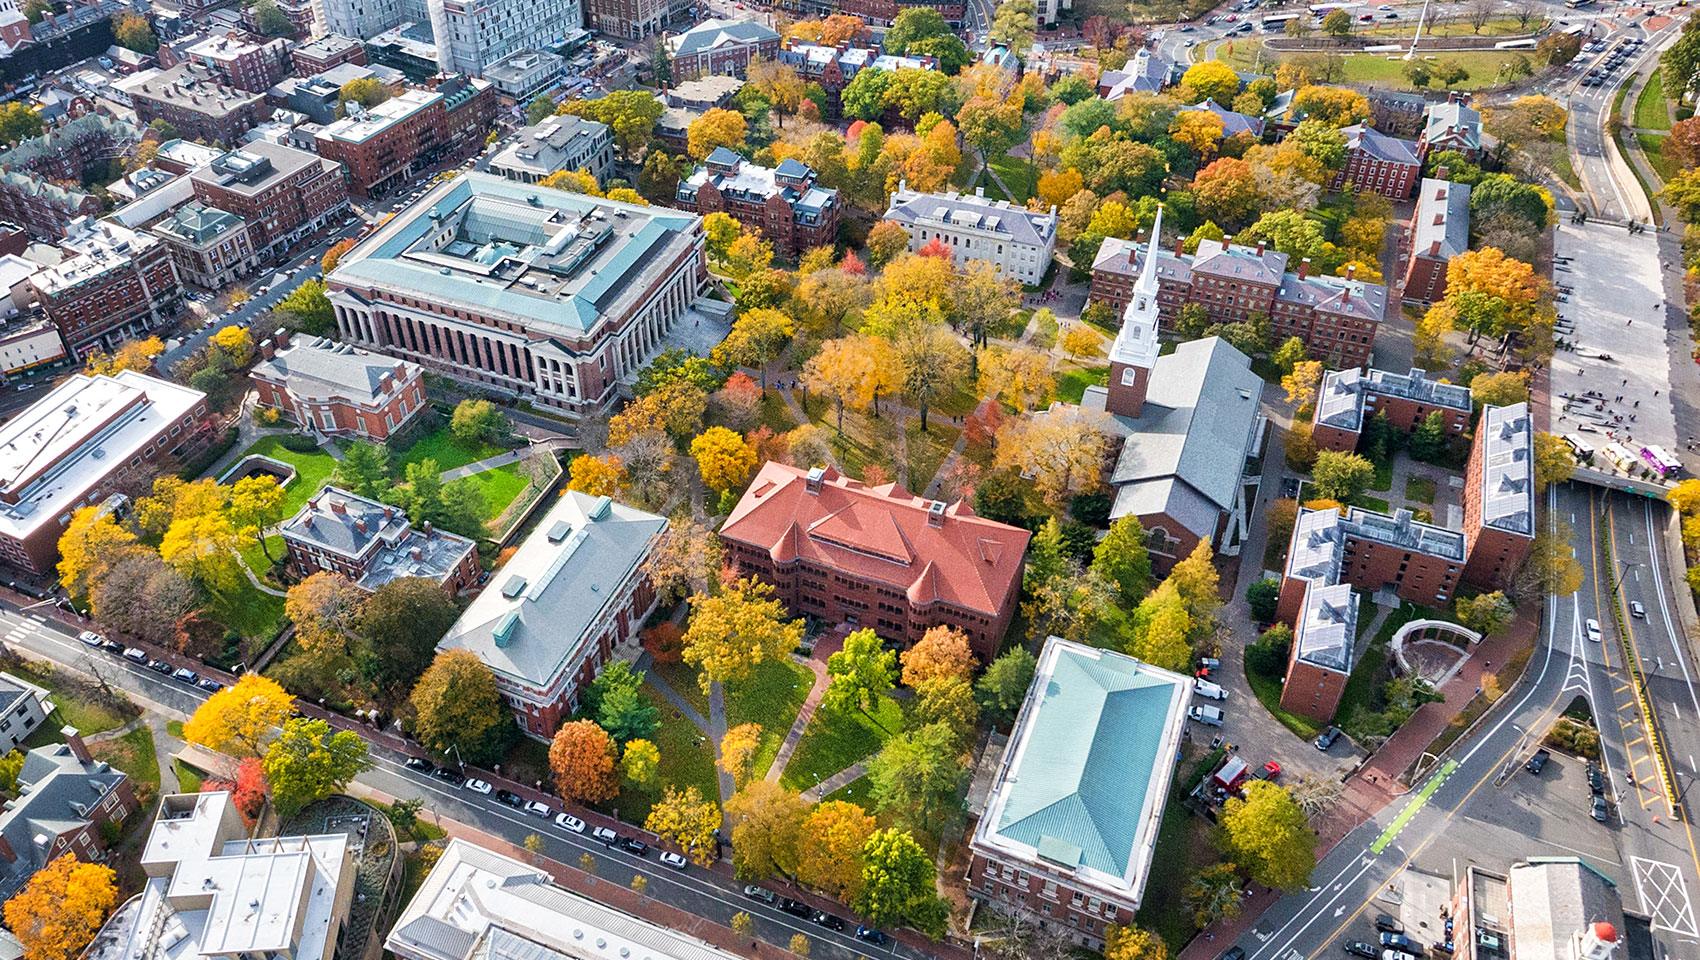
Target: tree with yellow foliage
(885, 241)
(830, 849)
(256, 503)
(738, 750)
(1063, 452)
(1057, 186)
(202, 545)
(92, 544)
(686, 819)
(941, 652)
(723, 458)
(1213, 79)
(628, 195)
(1020, 376)
(598, 476)
(717, 128)
(239, 719)
(1302, 383)
(675, 408)
(778, 82)
(333, 256)
(846, 371)
(1492, 294)
(235, 343)
(1198, 129)
(911, 278)
(572, 181)
(736, 630)
(135, 355)
(1080, 340)
(61, 908)
(1335, 106)
(756, 339)
(325, 608)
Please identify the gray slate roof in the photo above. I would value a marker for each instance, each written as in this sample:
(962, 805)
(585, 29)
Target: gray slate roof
(53, 785)
(1443, 214)
(532, 618)
(322, 369)
(1465, 120)
(1379, 145)
(961, 211)
(713, 34)
(1232, 122)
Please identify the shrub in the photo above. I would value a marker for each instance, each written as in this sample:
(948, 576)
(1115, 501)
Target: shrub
(197, 465)
(298, 443)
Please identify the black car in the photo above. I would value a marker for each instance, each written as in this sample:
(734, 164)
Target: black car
(1387, 923)
(1232, 953)
(420, 765)
(1358, 948)
(1538, 762)
(160, 666)
(447, 775)
(209, 685)
(1401, 943)
(635, 846)
(871, 935)
(795, 908)
(112, 647)
(1328, 737)
(510, 798)
(1599, 809)
(827, 920)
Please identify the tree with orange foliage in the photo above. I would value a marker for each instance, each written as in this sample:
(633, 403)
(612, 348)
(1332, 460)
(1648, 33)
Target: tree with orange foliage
(984, 423)
(665, 642)
(936, 248)
(941, 652)
(768, 445)
(830, 848)
(62, 907)
(334, 255)
(597, 476)
(585, 762)
(1227, 191)
(841, 28)
(853, 264)
(250, 789)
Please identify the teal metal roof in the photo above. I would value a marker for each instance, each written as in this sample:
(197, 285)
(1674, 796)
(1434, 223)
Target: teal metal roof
(1092, 741)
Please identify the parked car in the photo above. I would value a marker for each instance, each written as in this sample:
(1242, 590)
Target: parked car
(827, 920)
(1208, 690)
(1538, 762)
(795, 908)
(871, 935)
(91, 638)
(1328, 737)
(181, 674)
(1636, 610)
(605, 835)
(1387, 923)
(1599, 809)
(419, 764)
(1209, 716)
(450, 776)
(539, 808)
(1402, 943)
(209, 685)
(136, 654)
(760, 893)
(1596, 780)
(510, 798)
(1593, 628)
(1358, 948)
(673, 860)
(112, 647)
(569, 822)
(479, 786)
(634, 846)
(1232, 953)
(159, 666)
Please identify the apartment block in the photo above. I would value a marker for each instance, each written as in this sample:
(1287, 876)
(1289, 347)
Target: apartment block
(243, 64)
(338, 389)
(362, 19)
(1499, 496)
(211, 246)
(627, 19)
(783, 202)
(114, 284)
(1018, 242)
(879, 557)
(324, 52)
(281, 194)
(373, 543)
(560, 142)
(470, 36)
(1440, 230)
(589, 288)
(384, 145)
(1380, 163)
(198, 102)
(1347, 399)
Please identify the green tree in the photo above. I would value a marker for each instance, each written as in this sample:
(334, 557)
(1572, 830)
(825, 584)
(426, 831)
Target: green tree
(1003, 686)
(457, 708)
(1123, 559)
(541, 106)
(271, 21)
(631, 114)
(1337, 24)
(913, 25)
(1485, 613)
(308, 309)
(1268, 834)
(1014, 23)
(1262, 596)
(398, 632)
(18, 122)
(480, 420)
(36, 11)
(134, 33)
(863, 98)
(309, 762)
(916, 773)
(1428, 441)
(1341, 476)
(1215, 894)
(898, 884)
(860, 672)
(364, 470)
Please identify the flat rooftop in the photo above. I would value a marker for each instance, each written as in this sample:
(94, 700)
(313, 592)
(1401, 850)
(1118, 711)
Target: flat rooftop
(192, 87)
(547, 259)
(1327, 627)
(256, 167)
(369, 122)
(1508, 469)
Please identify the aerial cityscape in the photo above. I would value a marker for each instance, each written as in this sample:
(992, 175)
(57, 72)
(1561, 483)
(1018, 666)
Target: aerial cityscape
(709, 479)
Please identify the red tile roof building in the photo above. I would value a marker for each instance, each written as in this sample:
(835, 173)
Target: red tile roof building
(879, 557)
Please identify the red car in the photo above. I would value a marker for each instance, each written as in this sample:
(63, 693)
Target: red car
(1272, 770)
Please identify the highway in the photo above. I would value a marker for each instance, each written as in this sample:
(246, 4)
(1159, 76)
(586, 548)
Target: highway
(712, 894)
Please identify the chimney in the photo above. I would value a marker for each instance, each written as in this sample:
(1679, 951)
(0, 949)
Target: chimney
(1304, 268)
(360, 524)
(1440, 173)
(426, 526)
(935, 514)
(417, 553)
(1351, 269)
(281, 338)
(1434, 249)
(339, 508)
(812, 482)
(267, 351)
(389, 512)
(1260, 247)
(74, 740)
(6, 851)
(1180, 246)
(980, 192)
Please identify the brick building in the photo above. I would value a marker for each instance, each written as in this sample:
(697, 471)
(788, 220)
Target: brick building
(281, 194)
(242, 63)
(1347, 399)
(783, 202)
(337, 389)
(78, 445)
(573, 592)
(1067, 831)
(1397, 114)
(386, 144)
(723, 47)
(630, 19)
(211, 246)
(41, 207)
(1320, 661)
(114, 284)
(879, 13)
(322, 53)
(1499, 496)
(878, 557)
(1452, 124)
(1375, 161)
(197, 101)
(834, 67)
(1440, 230)
(590, 288)
(1336, 317)
(373, 543)
(34, 174)
(560, 142)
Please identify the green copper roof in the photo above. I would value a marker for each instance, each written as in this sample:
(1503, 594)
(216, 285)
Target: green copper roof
(1092, 742)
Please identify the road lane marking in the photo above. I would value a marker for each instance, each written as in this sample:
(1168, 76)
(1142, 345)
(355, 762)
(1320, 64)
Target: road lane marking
(1411, 808)
(1664, 896)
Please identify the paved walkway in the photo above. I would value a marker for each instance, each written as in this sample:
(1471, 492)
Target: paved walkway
(817, 665)
(836, 782)
(716, 733)
(673, 696)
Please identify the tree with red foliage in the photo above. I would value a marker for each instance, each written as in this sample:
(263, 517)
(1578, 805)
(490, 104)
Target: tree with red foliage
(809, 111)
(250, 789)
(665, 642)
(983, 424)
(875, 475)
(936, 248)
(738, 403)
(853, 264)
(768, 445)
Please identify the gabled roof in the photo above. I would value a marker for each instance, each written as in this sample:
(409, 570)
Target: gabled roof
(1443, 216)
(715, 34)
(1232, 122)
(881, 533)
(964, 212)
(1380, 146)
(1084, 780)
(56, 793)
(1451, 120)
(322, 369)
(1234, 261)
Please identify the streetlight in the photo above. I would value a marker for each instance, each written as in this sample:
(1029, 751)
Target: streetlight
(458, 759)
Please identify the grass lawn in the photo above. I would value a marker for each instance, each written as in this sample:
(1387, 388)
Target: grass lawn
(175, 728)
(311, 470)
(1420, 489)
(1652, 144)
(1502, 27)
(442, 447)
(928, 450)
(188, 778)
(247, 609)
(132, 753)
(1017, 175)
(1072, 383)
(1379, 69)
(682, 677)
(1360, 686)
(865, 441)
(1374, 503)
(856, 791)
(1383, 476)
(500, 486)
(1561, 166)
(1651, 113)
(687, 759)
(775, 414)
(836, 739)
(1268, 691)
(255, 558)
(772, 695)
(73, 707)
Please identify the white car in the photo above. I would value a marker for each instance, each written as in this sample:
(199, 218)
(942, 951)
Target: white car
(673, 860)
(479, 786)
(538, 807)
(1593, 628)
(570, 822)
(91, 638)
(604, 834)
(1209, 716)
(1208, 690)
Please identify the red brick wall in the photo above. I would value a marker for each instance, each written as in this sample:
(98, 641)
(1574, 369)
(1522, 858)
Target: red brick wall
(1311, 691)
(1334, 438)
(1426, 279)
(1025, 889)
(1419, 578)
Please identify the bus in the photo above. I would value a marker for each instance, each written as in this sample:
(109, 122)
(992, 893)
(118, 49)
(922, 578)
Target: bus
(1277, 22)
(1528, 43)
(1577, 4)
(1324, 9)
(1619, 456)
(1660, 461)
(1580, 448)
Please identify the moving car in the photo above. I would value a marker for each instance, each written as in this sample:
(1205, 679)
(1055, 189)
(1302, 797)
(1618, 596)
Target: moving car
(419, 764)
(539, 808)
(827, 920)
(635, 846)
(1593, 628)
(1538, 761)
(569, 822)
(673, 860)
(871, 935)
(478, 786)
(1209, 716)
(449, 776)
(1636, 610)
(510, 798)
(91, 638)
(1327, 739)
(605, 835)
(136, 654)
(1358, 948)
(1208, 690)
(1599, 809)
(181, 674)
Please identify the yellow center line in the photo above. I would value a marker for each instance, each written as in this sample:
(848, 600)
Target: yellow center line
(1594, 576)
(1655, 742)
